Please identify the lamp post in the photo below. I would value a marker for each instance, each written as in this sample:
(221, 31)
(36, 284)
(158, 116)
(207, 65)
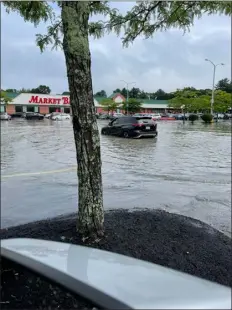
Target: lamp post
(127, 93)
(214, 72)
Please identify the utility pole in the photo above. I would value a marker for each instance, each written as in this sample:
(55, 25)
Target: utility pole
(127, 93)
(213, 88)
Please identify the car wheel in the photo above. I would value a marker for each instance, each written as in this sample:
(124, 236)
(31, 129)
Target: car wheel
(126, 134)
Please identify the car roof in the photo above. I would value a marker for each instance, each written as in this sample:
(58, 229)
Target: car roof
(79, 269)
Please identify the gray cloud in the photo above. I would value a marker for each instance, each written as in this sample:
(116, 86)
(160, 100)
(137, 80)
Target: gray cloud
(168, 61)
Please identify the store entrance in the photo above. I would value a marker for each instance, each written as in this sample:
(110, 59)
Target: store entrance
(54, 109)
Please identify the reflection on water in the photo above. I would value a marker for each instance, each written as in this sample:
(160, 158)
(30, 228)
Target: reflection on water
(187, 170)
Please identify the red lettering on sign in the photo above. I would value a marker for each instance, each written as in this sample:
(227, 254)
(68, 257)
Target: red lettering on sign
(65, 100)
(34, 99)
(53, 101)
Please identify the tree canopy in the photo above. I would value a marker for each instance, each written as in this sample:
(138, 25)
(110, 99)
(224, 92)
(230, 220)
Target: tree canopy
(101, 93)
(132, 106)
(42, 89)
(192, 100)
(145, 18)
(225, 85)
(109, 105)
(5, 98)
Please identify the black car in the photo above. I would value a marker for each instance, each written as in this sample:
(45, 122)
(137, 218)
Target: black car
(32, 115)
(17, 115)
(131, 127)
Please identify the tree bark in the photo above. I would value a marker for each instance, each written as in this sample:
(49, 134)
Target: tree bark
(75, 17)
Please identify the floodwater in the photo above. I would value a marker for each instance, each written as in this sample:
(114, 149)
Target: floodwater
(186, 170)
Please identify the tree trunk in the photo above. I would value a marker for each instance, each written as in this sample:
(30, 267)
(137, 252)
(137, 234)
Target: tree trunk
(75, 17)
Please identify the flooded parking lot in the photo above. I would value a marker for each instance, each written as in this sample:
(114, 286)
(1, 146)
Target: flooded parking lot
(186, 170)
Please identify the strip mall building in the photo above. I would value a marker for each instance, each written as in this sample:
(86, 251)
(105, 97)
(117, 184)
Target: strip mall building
(26, 102)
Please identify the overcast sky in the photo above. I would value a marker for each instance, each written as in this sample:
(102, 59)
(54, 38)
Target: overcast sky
(168, 61)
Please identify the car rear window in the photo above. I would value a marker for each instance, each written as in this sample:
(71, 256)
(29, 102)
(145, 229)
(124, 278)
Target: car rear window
(143, 118)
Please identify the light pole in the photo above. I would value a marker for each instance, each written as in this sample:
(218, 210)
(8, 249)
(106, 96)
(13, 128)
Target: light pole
(214, 72)
(127, 93)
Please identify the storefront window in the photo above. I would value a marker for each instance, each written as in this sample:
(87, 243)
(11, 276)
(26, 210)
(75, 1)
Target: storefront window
(67, 110)
(3, 108)
(18, 108)
(54, 109)
(30, 108)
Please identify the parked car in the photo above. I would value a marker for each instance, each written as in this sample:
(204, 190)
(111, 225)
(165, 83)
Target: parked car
(180, 117)
(60, 117)
(218, 116)
(131, 127)
(48, 115)
(126, 283)
(33, 116)
(116, 115)
(155, 116)
(5, 116)
(167, 117)
(227, 116)
(17, 115)
(103, 116)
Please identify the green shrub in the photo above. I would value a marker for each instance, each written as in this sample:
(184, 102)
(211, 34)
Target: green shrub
(193, 117)
(207, 118)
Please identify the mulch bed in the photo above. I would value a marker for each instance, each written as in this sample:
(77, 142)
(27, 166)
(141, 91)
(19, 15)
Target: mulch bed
(160, 237)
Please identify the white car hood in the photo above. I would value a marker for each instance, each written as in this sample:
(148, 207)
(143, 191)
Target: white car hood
(114, 281)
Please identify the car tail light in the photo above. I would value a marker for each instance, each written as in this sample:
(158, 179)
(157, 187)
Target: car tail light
(137, 125)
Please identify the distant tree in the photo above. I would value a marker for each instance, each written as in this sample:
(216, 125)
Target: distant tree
(124, 92)
(161, 95)
(101, 93)
(191, 101)
(11, 90)
(225, 85)
(109, 105)
(134, 93)
(117, 90)
(222, 101)
(206, 91)
(143, 95)
(4, 97)
(42, 89)
(66, 93)
(132, 106)
(25, 90)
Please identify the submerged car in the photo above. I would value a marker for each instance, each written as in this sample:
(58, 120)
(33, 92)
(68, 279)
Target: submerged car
(60, 117)
(33, 116)
(155, 116)
(17, 115)
(5, 116)
(131, 127)
(167, 117)
(180, 117)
